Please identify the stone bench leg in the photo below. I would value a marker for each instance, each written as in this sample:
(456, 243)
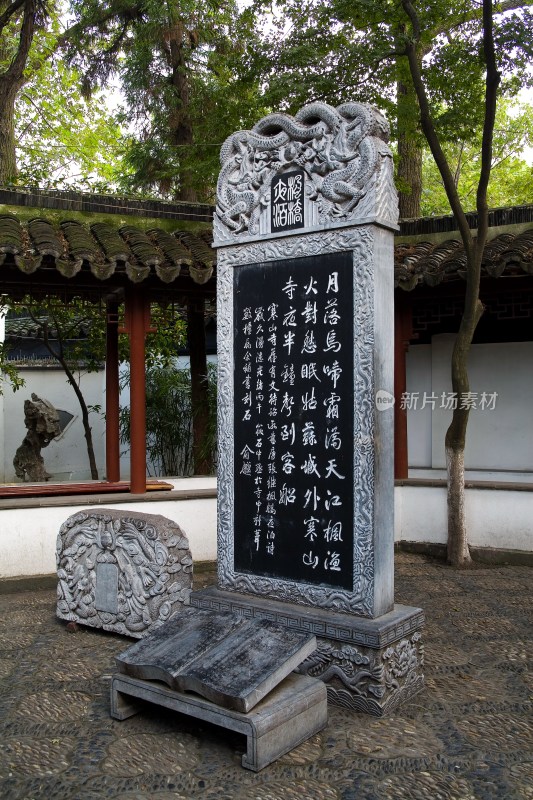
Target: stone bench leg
(290, 714)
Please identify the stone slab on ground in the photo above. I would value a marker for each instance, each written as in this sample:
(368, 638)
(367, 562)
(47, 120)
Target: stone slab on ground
(291, 714)
(122, 571)
(230, 660)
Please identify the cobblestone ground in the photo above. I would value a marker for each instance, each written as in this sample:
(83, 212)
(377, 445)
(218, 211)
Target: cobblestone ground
(468, 735)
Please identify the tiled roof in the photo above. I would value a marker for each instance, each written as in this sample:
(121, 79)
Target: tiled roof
(432, 263)
(105, 250)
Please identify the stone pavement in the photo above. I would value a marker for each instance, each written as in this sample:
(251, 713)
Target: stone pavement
(468, 735)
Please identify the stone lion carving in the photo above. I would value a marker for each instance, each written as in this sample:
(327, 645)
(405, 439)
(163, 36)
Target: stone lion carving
(343, 152)
(42, 422)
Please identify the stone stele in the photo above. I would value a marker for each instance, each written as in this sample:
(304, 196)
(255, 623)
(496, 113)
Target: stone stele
(124, 572)
(304, 231)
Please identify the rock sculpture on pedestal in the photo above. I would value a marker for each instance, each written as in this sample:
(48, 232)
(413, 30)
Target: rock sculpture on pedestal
(42, 422)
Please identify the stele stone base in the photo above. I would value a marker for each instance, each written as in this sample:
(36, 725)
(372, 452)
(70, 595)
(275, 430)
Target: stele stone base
(368, 665)
(294, 711)
(121, 571)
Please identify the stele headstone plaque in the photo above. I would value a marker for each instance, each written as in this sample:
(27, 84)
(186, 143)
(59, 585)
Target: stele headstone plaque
(304, 227)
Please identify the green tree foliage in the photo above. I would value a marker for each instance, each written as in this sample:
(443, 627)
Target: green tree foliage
(511, 178)
(49, 135)
(332, 50)
(20, 20)
(169, 421)
(63, 139)
(176, 65)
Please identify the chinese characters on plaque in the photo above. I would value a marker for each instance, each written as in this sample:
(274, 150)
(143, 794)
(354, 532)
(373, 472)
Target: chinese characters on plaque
(287, 201)
(294, 419)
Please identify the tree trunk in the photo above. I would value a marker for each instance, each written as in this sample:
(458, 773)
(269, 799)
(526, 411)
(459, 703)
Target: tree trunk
(409, 169)
(473, 308)
(87, 430)
(458, 552)
(8, 161)
(179, 119)
(409, 177)
(12, 80)
(77, 391)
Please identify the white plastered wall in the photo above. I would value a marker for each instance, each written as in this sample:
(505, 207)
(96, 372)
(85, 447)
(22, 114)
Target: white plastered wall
(495, 518)
(66, 457)
(28, 535)
(499, 441)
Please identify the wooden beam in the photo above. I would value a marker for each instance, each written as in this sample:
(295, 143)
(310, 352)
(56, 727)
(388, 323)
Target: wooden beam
(137, 314)
(402, 336)
(199, 384)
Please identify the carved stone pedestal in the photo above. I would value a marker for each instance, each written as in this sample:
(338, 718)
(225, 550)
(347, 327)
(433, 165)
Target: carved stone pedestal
(368, 665)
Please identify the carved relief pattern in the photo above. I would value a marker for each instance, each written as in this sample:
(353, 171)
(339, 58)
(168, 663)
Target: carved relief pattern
(343, 152)
(311, 244)
(122, 573)
(363, 679)
(225, 390)
(363, 475)
(360, 600)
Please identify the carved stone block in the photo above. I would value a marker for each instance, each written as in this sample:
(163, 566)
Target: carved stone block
(125, 572)
(373, 681)
(337, 159)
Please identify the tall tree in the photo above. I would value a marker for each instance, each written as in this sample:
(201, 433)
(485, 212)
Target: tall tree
(458, 552)
(19, 21)
(461, 57)
(173, 61)
(332, 49)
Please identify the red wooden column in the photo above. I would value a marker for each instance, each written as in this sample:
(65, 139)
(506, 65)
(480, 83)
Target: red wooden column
(137, 325)
(402, 336)
(112, 433)
(199, 382)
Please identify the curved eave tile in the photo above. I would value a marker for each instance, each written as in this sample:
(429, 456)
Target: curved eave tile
(431, 264)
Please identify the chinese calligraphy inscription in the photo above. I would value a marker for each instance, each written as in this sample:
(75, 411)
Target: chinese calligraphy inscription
(293, 449)
(287, 201)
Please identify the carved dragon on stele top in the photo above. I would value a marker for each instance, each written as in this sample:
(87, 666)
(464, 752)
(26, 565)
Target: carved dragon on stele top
(343, 152)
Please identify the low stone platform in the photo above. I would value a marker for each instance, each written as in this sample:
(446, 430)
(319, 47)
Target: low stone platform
(288, 716)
